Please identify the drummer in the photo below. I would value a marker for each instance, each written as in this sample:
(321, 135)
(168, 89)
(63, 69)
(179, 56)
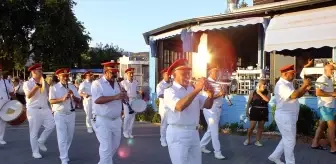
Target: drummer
(38, 111)
(6, 93)
(130, 85)
(85, 92)
(164, 84)
(184, 103)
(63, 96)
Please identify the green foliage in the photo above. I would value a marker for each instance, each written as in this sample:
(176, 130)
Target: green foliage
(307, 121)
(95, 55)
(156, 118)
(147, 115)
(157, 102)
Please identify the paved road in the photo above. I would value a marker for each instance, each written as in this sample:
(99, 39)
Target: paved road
(143, 149)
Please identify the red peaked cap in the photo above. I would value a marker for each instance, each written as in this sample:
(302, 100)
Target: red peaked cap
(129, 70)
(87, 73)
(110, 64)
(164, 70)
(210, 68)
(35, 67)
(181, 64)
(287, 68)
(62, 71)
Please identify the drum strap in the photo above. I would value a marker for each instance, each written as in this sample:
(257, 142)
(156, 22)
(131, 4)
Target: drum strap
(6, 88)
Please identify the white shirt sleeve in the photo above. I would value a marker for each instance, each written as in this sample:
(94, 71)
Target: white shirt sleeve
(81, 88)
(10, 87)
(321, 79)
(170, 98)
(75, 92)
(96, 91)
(26, 87)
(284, 91)
(159, 90)
(52, 93)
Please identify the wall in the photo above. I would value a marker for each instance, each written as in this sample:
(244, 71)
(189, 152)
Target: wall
(152, 79)
(231, 114)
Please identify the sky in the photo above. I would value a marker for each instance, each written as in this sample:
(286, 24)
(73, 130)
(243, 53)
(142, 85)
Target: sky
(122, 22)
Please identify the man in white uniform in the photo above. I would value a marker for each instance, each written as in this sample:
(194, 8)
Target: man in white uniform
(38, 111)
(184, 104)
(63, 96)
(130, 85)
(287, 113)
(326, 105)
(85, 91)
(106, 97)
(164, 84)
(6, 93)
(212, 117)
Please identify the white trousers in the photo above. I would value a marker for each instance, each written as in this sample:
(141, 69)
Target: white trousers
(183, 145)
(36, 119)
(2, 129)
(287, 127)
(128, 120)
(212, 117)
(108, 132)
(163, 127)
(87, 104)
(65, 126)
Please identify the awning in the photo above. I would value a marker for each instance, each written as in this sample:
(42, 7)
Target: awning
(166, 35)
(229, 23)
(212, 26)
(304, 29)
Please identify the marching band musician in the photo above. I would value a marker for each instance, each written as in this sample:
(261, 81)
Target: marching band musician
(164, 84)
(38, 110)
(85, 91)
(286, 113)
(6, 93)
(130, 85)
(63, 96)
(106, 97)
(326, 102)
(184, 104)
(212, 117)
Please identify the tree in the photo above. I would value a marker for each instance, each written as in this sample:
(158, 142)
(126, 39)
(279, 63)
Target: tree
(16, 22)
(101, 53)
(243, 4)
(59, 39)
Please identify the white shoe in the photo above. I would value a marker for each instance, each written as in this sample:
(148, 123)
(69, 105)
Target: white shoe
(131, 136)
(42, 147)
(89, 130)
(276, 161)
(126, 135)
(64, 162)
(219, 156)
(2, 142)
(246, 142)
(258, 143)
(164, 144)
(37, 155)
(204, 150)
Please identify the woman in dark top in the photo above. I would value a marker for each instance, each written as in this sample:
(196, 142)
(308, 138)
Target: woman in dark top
(257, 111)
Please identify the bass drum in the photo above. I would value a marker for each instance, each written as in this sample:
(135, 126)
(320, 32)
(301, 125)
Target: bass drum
(13, 112)
(139, 105)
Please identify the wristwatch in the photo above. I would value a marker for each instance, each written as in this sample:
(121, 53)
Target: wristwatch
(38, 84)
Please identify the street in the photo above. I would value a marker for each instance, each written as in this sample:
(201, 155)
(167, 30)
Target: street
(145, 148)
